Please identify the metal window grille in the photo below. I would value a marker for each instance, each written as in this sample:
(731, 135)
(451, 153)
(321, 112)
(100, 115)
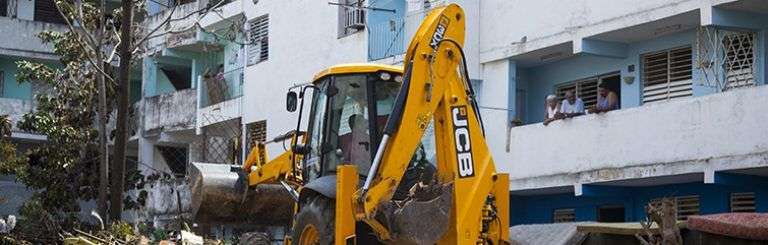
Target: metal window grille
(258, 38)
(726, 57)
(351, 17)
(739, 60)
(667, 74)
(585, 89)
(743, 202)
(221, 142)
(257, 132)
(564, 215)
(175, 158)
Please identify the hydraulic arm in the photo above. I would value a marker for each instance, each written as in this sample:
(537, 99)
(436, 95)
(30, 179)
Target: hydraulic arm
(436, 88)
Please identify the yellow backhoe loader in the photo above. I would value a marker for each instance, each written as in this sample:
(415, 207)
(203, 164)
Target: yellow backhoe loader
(389, 155)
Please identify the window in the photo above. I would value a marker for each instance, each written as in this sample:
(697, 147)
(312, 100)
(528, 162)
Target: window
(45, 11)
(687, 206)
(586, 89)
(257, 132)
(175, 158)
(667, 74)
(610, 213)
(564, 215)
(351, 17)
(743, 202)
(258, 38)
(739, 59)
(3, 7)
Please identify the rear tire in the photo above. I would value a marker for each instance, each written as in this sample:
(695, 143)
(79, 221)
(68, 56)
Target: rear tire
(314, 222)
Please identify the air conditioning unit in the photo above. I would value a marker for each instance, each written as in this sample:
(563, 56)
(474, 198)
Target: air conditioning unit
(355, 18)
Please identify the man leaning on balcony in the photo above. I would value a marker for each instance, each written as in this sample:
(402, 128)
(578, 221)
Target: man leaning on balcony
(572, 106)
(607, 100)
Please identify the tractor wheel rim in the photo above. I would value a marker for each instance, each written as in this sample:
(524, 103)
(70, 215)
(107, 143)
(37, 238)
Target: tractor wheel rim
(309, 235)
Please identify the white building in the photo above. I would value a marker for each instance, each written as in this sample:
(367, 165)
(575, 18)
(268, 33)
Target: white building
(688, 74)
(20, 21)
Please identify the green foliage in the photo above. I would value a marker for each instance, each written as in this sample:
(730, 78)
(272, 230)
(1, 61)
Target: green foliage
(64, 169)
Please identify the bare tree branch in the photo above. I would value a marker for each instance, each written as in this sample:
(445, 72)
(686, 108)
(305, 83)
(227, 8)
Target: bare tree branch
(86, 47)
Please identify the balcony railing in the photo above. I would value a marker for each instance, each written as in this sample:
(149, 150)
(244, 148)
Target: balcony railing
(386, 39)
(217, 88)
(21, 37)
(726, 127)
(170, 111)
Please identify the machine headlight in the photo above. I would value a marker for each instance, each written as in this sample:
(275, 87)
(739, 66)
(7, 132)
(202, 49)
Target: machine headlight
(399, 78)
(385, 76)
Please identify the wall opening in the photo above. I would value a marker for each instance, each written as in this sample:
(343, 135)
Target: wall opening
(743, 202)
(610, 213)
(564, 215)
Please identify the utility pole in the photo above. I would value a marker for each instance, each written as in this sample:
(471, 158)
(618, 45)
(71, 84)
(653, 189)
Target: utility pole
(123, 91)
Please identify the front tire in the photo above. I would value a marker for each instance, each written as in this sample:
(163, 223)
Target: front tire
(314, 222)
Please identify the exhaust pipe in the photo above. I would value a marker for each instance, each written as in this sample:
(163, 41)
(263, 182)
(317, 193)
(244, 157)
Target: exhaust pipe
(220, 194)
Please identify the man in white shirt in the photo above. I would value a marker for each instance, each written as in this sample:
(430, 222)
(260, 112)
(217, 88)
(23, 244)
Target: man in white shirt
(572, 106)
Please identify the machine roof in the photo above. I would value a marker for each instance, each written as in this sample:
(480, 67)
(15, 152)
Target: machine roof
(356, 68)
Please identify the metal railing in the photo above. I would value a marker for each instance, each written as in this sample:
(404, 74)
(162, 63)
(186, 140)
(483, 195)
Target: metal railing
(221, 87)
(386, 39)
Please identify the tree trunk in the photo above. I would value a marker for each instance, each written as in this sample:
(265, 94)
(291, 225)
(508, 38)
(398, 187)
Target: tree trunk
(102, 108)
(123, 90)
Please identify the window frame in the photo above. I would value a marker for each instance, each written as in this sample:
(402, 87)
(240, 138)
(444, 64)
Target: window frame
(681, 88)
(258, 40)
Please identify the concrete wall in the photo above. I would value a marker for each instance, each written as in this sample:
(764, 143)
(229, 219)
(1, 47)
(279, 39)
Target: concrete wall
(504, 23)
(20, 37)
(688, 135)
(303, 40)
(172, 111)
(11, 88)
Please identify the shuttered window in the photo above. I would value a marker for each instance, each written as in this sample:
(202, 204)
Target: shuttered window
(45, 11)
(585, 89)
(258, 38)
(739, 59)
(687, 206)
(564, 215)
(667, 74)
(743, 202)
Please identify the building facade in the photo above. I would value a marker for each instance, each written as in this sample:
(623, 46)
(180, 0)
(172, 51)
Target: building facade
(21, 21)
(689, 75)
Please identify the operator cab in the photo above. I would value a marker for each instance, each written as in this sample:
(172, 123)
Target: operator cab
(350, 106)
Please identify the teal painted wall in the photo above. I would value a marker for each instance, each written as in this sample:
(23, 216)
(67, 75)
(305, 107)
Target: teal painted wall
(11, 88)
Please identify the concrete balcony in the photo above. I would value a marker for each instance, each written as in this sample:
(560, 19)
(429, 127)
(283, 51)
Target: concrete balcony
(687, 137)
(173, 111)
(21, 39)
(179, 32)
(15, 109)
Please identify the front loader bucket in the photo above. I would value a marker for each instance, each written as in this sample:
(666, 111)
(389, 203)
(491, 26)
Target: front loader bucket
(220, 194)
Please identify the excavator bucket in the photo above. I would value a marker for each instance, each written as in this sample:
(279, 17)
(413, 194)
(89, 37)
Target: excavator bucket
(220, 194)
